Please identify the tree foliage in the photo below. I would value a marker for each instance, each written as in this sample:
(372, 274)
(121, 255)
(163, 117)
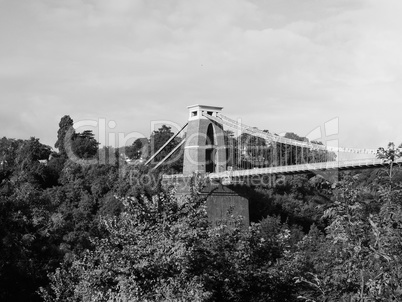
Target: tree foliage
(65, 126)
(165, 250)
(109, 231)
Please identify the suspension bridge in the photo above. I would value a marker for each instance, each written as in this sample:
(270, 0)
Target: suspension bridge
(212, 148)
(228, 152)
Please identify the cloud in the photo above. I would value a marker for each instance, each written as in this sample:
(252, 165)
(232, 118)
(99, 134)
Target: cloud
(283, 65)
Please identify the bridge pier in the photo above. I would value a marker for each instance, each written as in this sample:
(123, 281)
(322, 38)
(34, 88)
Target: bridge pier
(222, 201)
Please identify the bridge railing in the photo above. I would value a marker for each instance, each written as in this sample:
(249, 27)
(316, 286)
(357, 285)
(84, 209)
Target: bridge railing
(231, 175)
(302, 168)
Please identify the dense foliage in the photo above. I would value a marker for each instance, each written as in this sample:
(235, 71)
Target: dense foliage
(106, 230)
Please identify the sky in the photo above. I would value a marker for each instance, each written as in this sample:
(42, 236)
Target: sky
(123, 67)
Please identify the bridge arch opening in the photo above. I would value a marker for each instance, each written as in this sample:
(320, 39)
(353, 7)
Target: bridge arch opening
(210, 150)
(210, 139)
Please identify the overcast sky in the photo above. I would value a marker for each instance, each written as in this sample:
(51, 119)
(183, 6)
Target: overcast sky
(281, 65)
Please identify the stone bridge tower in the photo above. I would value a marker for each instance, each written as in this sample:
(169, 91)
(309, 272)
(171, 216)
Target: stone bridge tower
(204, 150)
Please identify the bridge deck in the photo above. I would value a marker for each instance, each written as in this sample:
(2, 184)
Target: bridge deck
(294, 169)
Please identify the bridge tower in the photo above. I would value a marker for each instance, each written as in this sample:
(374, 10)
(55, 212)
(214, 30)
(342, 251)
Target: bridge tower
(204, 151)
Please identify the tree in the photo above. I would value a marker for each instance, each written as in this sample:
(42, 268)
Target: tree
(360, 258)
(158, 139)
(139, 149)
(27, 253)
(8, 153)
(142, 259)
(65, 129)
(84, 145)
(390, 155)
(162, 249)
